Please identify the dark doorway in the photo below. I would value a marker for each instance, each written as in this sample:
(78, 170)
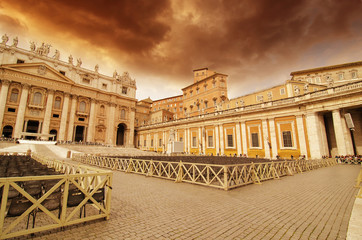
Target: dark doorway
(32, 127)
(7, 132)
(120, 134)
(53, 131)
(79, 134)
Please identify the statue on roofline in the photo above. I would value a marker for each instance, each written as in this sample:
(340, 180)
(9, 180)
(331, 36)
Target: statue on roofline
(56, 54)
(79, 62)
(5, 39)
(32, 46)
(70, 59)
(15, 42)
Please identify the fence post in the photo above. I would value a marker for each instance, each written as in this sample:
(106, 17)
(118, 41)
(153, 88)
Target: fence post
(226, 183)
(180, 173)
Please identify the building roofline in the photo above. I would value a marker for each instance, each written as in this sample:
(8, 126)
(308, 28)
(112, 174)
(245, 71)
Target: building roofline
(200, 69)
(327, 68)
(195, 83)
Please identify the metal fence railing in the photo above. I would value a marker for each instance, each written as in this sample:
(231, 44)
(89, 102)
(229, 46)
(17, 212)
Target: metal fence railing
(83, 193)
(218, 176)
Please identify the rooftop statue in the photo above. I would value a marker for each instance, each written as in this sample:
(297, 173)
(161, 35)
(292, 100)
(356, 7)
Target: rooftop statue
(79, 62)
(5, 39)
(15, 42)
(96, 68)
(56, 54)
(70, 59)
(32, 46)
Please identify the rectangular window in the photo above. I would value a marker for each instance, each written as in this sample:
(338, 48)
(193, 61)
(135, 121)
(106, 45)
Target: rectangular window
(20, 61)
(11, 110)
(55, 115)
(255, 140)
(210, 141)
(282, 91)
(287, 139)
(104, 86)
(160, 142)
(124, 90)
(151, 142)
(230, 140)
(259, 98)
(341, 76)
(144, 143)
(81, 119)
(194, 142)
(86, 81)
(354, 75)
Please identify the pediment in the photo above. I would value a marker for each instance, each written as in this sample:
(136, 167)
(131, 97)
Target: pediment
(42, 70)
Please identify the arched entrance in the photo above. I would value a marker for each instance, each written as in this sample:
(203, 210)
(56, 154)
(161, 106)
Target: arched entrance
(53, 131)
(7, 131)
(121, 128)
(32, 127)
(79, 134)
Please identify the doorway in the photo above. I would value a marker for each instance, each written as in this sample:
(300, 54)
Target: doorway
(79, 134)
(120, 134)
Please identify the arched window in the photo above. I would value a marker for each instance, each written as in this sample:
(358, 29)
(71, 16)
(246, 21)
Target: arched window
(37, 98)
(14, 95)
(82, 106)
(102, 110)
(57, 102)
(123, 114)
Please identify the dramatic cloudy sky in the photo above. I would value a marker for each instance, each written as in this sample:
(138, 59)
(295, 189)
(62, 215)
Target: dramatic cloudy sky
(159, 42)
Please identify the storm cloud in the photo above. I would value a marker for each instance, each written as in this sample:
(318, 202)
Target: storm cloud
(257, 43)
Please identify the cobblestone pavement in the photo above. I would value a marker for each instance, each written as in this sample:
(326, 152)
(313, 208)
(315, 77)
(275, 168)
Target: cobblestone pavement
(312, 205)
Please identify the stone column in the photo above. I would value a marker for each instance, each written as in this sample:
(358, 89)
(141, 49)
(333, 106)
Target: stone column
(266, 138)
(63, 119)
(203, 140)
(301, 136)
(243, 135)
(238, 138)
(347, 136)
(131, 127)
(338, 131)
(3, 97)
(221, 139)
(25, 125)
(185, 140)
(188, 140)
(92, 116)
(200, 141)
(48, 113)
(217, 140)
(71, 118)
(21, 111)
(110, 125)
(313, 129)
(273, 139)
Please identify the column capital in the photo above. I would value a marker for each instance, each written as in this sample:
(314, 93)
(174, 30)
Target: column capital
(94, 100)
(111, 104)
(6, 82)
(67, 94)
(50, 91)
(25, 85)
(74, 96)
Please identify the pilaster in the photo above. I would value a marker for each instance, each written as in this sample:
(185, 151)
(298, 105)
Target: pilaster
(21, 110)
(63, 119)
(3, 97)
(48, 113)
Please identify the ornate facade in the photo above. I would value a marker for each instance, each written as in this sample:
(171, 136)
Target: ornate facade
(44, 97)
(316, 113)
